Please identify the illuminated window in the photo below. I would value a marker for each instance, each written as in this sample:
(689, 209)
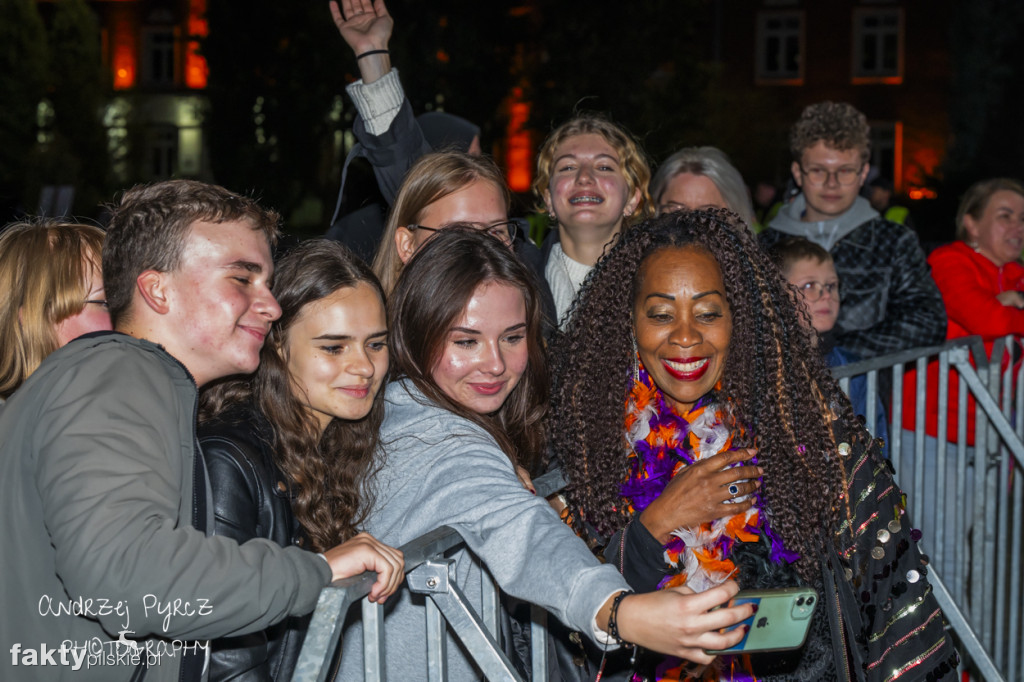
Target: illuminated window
(780, 48)
(158, 60)
(878, 45)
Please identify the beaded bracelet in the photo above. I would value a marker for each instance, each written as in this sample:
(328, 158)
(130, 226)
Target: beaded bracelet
(613, 626)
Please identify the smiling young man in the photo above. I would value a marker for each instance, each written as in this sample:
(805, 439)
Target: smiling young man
(889, 299)
(101, 482)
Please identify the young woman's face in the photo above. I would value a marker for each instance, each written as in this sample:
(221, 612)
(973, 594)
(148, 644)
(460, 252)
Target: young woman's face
(486, 351)
(480, 204)
(337, 354)
(93, 317)
(588, 188)
(682, 323)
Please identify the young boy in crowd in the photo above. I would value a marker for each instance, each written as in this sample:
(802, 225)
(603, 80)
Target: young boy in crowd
(811, 270)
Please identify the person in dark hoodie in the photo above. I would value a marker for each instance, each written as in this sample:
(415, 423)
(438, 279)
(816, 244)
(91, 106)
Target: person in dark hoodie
(393, 140)
(890, 302)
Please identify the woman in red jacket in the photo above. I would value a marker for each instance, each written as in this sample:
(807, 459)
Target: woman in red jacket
(982, 284)
(981, 280)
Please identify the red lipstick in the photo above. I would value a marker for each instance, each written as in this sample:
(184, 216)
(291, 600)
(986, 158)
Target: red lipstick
(687, 374)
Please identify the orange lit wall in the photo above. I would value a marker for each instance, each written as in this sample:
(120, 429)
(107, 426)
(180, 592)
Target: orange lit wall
(518, 144)
(196, 70)
(124, 47)
(923, 151)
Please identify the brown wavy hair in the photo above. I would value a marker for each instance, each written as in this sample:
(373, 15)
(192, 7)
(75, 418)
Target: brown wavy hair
(326, 471)
(777, 385)
(433, 291)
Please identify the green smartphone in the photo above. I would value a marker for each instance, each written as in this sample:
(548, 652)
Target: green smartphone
(780, 621)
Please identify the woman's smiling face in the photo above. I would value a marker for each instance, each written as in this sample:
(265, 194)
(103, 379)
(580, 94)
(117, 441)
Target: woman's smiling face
(588, 188)
(682, 323)
(486, 352)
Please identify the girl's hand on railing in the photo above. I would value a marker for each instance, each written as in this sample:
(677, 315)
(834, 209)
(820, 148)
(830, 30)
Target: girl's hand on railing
(681, 623)
(365, 553)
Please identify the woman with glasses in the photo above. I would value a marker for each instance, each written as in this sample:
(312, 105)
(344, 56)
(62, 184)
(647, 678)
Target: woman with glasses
(444, 189)
(51, 292)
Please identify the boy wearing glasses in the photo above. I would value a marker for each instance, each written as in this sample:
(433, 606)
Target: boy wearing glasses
(811, 270)
(890, 300)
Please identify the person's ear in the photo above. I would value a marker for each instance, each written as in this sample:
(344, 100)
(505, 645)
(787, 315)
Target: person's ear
(971, 228)
(405, 243)
(798, 178)
(153, 287)
(546, 196)
(863, 174)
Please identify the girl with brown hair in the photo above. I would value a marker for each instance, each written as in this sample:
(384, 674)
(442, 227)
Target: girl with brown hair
(288, 448)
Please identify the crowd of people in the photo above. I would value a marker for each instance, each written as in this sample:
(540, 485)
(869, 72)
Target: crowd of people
(199, 433)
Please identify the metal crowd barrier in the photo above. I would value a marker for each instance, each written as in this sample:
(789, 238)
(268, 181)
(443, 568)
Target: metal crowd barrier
(427, 570)
(977, 561)
(973, 524)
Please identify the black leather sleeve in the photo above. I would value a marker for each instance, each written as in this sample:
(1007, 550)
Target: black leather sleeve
(236, 511)
(638, 556)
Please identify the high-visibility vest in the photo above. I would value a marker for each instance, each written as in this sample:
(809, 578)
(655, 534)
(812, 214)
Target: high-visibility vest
(897, 214)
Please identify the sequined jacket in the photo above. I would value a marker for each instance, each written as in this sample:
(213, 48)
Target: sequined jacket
(881, 621)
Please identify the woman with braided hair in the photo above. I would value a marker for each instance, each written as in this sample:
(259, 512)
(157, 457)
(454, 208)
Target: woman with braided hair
(684, 357)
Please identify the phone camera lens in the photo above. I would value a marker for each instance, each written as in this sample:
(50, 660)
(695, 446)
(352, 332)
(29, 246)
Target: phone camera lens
(810, 600)
(800, 601)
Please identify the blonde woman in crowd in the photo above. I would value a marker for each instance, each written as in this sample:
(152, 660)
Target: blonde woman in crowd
(51, 292)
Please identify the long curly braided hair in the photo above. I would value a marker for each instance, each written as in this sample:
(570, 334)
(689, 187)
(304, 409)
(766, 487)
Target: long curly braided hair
(776, 383)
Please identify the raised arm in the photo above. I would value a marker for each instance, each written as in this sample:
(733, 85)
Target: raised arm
(386, 129)
(366, 28)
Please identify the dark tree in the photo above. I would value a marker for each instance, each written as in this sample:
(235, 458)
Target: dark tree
(78, 153)
(22, 85)
(276, 74)
(988, 139)
(640, 64)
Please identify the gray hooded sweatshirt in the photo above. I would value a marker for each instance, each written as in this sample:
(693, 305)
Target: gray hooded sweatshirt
(824, 233)
(442, 470)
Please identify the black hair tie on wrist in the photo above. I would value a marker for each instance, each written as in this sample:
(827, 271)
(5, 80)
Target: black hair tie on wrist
(613, 625)
(369, 52)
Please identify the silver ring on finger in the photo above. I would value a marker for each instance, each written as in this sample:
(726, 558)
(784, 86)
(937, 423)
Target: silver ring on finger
(734, 489)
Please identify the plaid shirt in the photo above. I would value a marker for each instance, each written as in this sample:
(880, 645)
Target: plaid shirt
(889, 300)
